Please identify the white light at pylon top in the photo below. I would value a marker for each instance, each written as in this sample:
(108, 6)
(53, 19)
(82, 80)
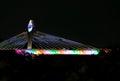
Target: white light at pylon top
(30, 26)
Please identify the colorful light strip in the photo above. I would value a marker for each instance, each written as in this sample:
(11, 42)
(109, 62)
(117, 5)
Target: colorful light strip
(62, 52)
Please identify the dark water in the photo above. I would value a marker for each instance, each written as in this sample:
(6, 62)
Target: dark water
(15, 67)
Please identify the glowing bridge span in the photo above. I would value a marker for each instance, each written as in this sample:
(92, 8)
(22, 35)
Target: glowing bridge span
(39, 43)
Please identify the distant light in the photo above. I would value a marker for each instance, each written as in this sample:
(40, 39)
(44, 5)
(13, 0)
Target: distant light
(62, 52)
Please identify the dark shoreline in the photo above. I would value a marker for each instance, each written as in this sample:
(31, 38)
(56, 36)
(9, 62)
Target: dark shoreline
(15, 67)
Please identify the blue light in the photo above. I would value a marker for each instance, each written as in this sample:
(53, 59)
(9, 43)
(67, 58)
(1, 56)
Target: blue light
(30, 26)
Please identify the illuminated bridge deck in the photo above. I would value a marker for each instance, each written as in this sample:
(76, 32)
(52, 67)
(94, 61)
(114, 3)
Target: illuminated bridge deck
(43, 43)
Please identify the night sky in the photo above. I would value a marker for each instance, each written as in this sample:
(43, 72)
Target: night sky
(90, 22)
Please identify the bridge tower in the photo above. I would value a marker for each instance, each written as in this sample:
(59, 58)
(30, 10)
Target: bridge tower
(29, 34)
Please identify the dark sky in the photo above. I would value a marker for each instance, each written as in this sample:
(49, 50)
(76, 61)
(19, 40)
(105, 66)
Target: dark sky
(90, 22)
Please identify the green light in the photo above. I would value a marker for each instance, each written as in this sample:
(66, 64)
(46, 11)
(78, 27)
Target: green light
(34, 51)
(54, 51)
(96, 52)
(76, 51)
